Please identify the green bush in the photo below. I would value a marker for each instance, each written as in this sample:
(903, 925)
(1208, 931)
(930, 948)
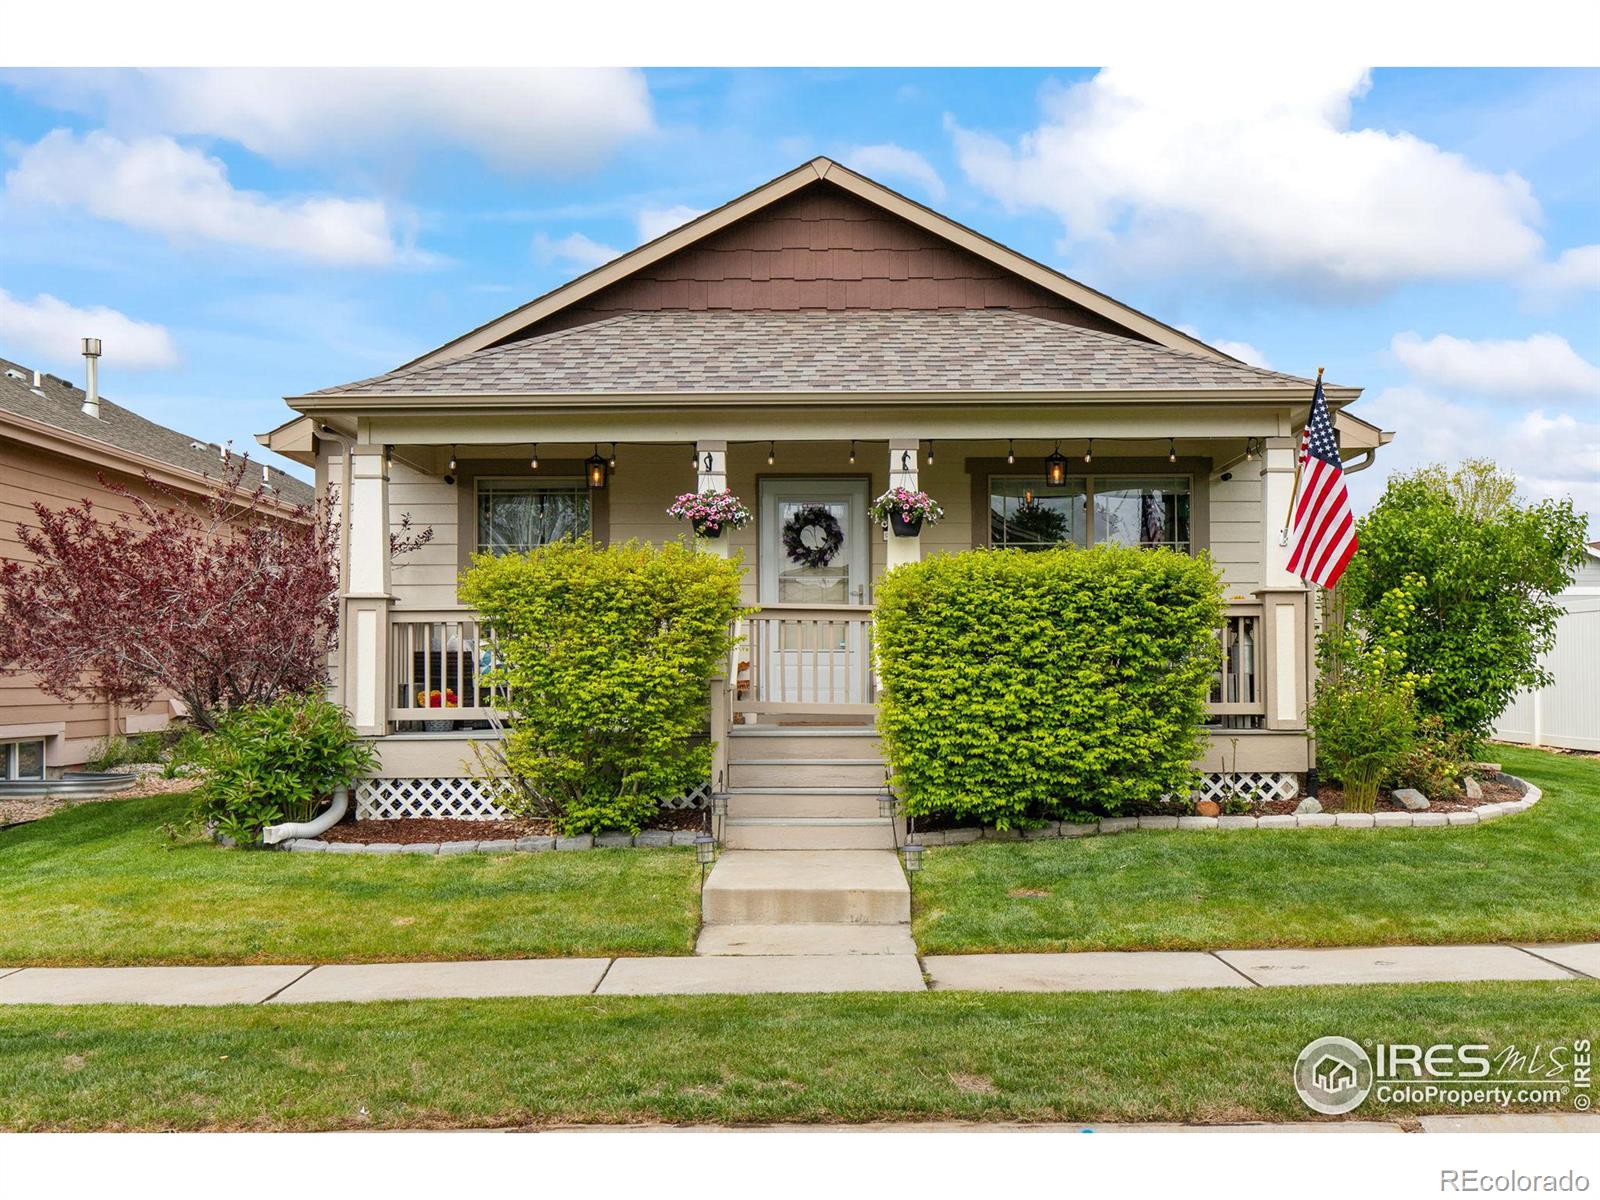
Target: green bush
(276, 762)
(1487, 568)
(1019, 686)
(119, 751)
(1436, 761)
(605, 655)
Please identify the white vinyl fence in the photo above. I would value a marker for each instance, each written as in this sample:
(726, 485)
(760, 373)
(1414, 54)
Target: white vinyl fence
(1567, 713)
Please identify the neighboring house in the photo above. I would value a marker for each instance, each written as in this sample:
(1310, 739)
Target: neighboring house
(1567, 713)
(808, 345)
(57, 443)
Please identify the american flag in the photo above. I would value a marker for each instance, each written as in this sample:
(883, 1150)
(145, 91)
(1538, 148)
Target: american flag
(1324, 530)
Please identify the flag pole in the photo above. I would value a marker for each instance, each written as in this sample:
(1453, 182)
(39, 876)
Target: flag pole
(1288, 517)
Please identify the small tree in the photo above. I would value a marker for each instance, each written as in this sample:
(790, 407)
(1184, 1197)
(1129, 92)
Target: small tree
(225, 601)
(1487, 567)
(603, 657)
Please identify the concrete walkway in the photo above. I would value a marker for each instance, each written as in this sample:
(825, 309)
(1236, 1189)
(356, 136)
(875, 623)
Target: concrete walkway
(734, 973)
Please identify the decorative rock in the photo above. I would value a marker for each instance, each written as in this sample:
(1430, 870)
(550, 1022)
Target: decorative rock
(498, 846)
(1486, 769)
(422, 848)
(307, 845)
(1389, 820)
(1158, 822)
(584, 841)
(1462, 818)
(1236, 821)
(613, 840)
(1197, 822)
(1430, 820)
(653, 837)
(1050, 829)
(1208, 808)
(1412, 799)
(1072, 829)
(680, 837)
(959, 837)
(1307, 807)
(458, 847)
(1354, 820)
(1314, 821)
(535, 843)
(1002, 835)
(1472, 787)
(1118, 824)
(1280, 821)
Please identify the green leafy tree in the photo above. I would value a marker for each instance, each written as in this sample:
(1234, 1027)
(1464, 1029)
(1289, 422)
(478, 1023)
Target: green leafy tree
(603, 659)
(1488, 566)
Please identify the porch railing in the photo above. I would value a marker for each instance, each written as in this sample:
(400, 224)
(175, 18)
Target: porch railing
(438, 661)
(1237, 693)
(803, 659)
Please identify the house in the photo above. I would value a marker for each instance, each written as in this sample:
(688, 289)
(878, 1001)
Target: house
(807, 345)
(61, 444)
(1567, 712)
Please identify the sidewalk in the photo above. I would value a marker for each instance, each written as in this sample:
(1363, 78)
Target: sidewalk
(890, 972)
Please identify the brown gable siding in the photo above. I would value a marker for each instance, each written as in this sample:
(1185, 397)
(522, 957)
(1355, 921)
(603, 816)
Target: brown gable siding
(822, 248)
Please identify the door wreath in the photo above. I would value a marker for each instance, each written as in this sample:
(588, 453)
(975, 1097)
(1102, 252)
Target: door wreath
(812, 536)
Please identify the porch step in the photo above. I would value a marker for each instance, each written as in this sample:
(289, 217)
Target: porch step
(808, 833)
(860, 805)
(768, 743)
(807, 887)
(767, 940)
(816, 772)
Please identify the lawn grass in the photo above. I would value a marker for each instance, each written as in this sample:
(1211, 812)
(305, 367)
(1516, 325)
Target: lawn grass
(1200, 1056)
(100, 884)
(1527, 877)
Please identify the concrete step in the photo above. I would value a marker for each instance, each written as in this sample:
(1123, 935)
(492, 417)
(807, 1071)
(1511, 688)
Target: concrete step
(767, 742)
(765, 940)
(799, 773)
(807, 887)
(860, 805)
(808, 833)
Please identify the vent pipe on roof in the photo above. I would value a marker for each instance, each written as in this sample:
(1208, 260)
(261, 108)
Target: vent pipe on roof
(91, 390)
(38, 379)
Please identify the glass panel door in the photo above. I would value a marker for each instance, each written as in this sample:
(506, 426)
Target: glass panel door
(814, 546)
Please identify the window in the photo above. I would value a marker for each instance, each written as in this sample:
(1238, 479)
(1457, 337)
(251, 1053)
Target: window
(1024, 514)
(515, 515)
(22, 760)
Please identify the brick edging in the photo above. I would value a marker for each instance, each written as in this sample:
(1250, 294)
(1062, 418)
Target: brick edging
(1386, 820)
(588, 841)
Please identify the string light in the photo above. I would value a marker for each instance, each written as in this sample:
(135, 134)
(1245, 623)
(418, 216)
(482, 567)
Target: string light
(452, 467)
(1011, 452)
(613, 456)
(930, 452)
(1172, 450)
(1088, 455)
(534, 461)
(852, 450)
(772, 453)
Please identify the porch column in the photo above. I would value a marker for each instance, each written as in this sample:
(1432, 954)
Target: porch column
(1285, 601)
(903, 473)
(366, 602)
(1277, 484)
(711, 475)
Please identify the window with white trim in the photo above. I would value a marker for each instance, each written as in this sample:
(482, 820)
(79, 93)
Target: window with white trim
(22, 760)
(1026, 514)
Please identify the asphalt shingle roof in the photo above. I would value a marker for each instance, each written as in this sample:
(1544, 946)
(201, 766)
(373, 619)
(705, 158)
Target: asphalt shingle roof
(59, 403)
(809, 351)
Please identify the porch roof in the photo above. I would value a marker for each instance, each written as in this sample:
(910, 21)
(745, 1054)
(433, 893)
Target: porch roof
(743, 353)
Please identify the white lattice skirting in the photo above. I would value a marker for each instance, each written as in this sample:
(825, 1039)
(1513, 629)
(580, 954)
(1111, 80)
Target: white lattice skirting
(1254, 786)
(460, 797)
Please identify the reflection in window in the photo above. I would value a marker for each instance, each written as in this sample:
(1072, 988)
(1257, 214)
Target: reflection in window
(22, 760)
(515, 516)
(1142, 512)
(1024, 514)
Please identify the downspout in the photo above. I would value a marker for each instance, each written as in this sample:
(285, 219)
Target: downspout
(1368, 457)
(273, 834)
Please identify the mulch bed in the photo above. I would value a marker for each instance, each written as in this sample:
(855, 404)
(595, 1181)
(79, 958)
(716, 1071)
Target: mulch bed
(1331, 797)
(410, 831)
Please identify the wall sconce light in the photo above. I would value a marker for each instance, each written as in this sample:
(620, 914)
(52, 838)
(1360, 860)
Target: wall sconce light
(595, 469)
(1055, 468)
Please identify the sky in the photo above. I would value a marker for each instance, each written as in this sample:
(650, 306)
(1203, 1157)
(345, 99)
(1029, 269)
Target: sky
(235, 236)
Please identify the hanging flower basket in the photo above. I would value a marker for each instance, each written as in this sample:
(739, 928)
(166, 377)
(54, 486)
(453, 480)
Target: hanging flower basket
(710, 512)
(906, 511)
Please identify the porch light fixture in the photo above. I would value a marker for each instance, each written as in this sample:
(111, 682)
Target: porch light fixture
(534, 461)
(1088, 455)
(772, 453)
(1011, 452)
(1055, 468)
(1172, 450)
(594, 468)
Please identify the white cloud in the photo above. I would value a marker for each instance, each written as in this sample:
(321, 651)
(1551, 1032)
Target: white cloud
(1576, 271)
(521, 120)
(888, 161)
(653, 222)
(156, 185)
(51, 329)
(1243, 351)
(1255, 174)
(574, 250)
(1542, 365)
(1554, 454)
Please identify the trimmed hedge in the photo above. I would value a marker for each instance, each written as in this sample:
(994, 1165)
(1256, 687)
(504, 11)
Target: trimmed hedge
(1022, 686)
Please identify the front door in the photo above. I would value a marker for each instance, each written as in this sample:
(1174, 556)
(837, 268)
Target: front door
(814, 546)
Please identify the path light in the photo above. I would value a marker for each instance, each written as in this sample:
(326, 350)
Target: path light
(1055, 468)
(911, 853)
(705, 849)
(888, 804)
(719, 804)
(595, 469)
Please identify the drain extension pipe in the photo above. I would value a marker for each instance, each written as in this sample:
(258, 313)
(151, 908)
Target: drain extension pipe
(273, 834)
